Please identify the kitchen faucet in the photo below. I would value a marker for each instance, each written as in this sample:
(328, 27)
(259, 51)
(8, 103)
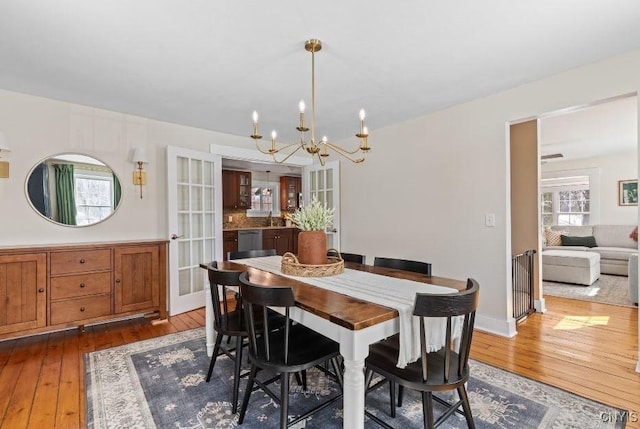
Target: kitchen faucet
(270, 219)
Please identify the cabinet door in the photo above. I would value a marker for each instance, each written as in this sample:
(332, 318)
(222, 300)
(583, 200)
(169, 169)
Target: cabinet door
(244, 189)
(229, 242)
(229, 189)
(284, 241)
(269, 239)
(23, 292)
(137, 278)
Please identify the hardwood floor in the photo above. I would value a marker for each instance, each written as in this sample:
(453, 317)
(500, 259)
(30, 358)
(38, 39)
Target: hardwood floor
(586, 348)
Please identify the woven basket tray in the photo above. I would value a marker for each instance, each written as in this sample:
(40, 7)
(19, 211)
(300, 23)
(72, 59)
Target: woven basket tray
(291, 266)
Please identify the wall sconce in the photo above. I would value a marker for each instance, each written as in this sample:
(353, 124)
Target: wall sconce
(139, 176)
(4, 147)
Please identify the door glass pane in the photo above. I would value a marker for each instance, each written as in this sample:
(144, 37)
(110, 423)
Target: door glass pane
(196, 198)
(183, 225)
(320, 180)
(208, 225)
(184, 254)
(329, 199)
(198, 278)
(196, 225)
(208, 251)
(330, 178)
(183, 197)
(209, 199)
(313, 183)
(183, 170)
(208, 173)
(196, 171)
(184, 282)
(197, 258)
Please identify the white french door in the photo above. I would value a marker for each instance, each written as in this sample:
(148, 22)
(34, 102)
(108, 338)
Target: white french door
(324, 184)
(194, 181)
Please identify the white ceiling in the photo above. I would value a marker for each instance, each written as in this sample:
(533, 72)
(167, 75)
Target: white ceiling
(209, 64)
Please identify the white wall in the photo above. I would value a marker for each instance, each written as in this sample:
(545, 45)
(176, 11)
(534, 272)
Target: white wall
(444, 171)
(37, 128)
(612, 168)
(422, 193)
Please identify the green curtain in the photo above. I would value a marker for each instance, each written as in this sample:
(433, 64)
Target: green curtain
(65, 194)
(117, 191)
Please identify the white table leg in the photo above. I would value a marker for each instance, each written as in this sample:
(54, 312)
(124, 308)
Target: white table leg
(353, 393)
(208, 322)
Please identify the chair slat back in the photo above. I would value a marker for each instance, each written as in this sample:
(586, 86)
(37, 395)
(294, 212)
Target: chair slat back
(403, 264)
(449, 306)
(219, 281)
(256, 299)
(250, 254)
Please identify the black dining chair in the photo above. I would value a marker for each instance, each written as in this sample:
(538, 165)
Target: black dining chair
(228, 319)
(442, 370)
(348, 257)
(403, 264)
(293, 349)
(251, 254)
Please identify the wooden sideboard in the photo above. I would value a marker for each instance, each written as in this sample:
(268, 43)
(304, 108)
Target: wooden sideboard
(46, 288)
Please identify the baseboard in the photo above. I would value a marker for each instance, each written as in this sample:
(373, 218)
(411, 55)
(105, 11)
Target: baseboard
(504, 328)
(540, 306)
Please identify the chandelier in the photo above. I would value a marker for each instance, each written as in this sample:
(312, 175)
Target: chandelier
(312, 146)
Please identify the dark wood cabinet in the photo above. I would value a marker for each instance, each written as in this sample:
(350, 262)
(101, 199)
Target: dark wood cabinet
(236, 189)
(290, 189)
(280, 239)
(229, 243)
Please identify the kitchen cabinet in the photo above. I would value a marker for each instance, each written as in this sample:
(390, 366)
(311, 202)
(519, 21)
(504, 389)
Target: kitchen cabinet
(236, 189)
(280, 239)
(290, 190)
(54, 287)
(23, 292)
(229, 243)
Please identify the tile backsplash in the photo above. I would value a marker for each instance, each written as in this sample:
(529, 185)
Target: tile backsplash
(240, 220)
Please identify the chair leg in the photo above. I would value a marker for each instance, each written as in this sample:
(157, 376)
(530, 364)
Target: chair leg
(216, 350)
(304, 380)
(427, 409)
(466, 406)
(236, 374)
(247, 393)
(392, 398)
(284, 399)
(400, 395)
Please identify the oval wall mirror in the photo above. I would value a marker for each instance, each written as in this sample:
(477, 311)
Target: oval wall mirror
(73, 189)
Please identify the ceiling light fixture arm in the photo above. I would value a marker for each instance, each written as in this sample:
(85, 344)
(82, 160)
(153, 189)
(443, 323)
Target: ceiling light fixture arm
(312, 146)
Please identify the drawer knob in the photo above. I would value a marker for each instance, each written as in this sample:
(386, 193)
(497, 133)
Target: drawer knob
(82, 261)
(117, 280)
(41, 290)
(82, 309)
(81, 285)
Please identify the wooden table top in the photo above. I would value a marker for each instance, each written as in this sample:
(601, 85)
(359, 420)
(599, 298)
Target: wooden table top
(343, 310)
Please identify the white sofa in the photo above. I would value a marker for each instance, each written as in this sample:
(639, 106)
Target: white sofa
(612, 243)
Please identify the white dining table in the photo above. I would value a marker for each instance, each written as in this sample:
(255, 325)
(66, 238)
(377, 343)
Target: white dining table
(340, 308)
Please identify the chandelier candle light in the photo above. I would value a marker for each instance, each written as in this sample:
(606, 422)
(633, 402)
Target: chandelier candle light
(312, 146)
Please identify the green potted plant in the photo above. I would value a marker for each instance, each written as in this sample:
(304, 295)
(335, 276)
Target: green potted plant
(312, 220)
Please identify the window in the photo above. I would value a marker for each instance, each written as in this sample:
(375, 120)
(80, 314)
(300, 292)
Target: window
(264, 199)
(94, 196)
(565, 201)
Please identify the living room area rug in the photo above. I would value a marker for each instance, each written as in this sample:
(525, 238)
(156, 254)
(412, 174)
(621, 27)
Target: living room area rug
(160, 383)
(608, 289)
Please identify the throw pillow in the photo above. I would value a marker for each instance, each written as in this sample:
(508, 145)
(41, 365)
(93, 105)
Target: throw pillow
(634, 234)
(553, 237)
(568, 240)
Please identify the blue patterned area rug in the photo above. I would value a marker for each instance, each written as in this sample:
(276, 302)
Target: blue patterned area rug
(160, 383)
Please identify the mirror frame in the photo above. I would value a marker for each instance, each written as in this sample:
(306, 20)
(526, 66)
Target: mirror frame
(40, 214)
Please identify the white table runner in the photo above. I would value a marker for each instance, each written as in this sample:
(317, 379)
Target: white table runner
(383, 290)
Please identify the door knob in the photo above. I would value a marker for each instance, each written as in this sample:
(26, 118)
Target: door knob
(175, 236)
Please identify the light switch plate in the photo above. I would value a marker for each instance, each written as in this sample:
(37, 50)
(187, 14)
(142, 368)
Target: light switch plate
(490, 219)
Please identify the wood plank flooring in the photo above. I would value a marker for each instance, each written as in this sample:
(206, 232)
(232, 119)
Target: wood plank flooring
(582, 347)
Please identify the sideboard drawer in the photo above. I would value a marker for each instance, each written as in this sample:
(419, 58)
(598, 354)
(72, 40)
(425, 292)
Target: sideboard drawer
(80, 285)
(80, 308)
(80, 261)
